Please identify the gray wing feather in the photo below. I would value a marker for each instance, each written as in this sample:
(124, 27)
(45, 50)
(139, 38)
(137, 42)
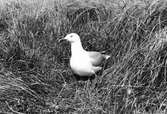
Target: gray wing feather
(96, 58)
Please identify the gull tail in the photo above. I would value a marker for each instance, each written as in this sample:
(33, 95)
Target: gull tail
(106, 56)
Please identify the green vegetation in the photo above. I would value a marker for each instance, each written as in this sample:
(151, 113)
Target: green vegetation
(35, 76)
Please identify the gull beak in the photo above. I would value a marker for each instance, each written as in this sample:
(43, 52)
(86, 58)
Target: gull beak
(65, 38)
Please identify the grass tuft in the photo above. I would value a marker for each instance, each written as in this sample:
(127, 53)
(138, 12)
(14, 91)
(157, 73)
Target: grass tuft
(35, 76)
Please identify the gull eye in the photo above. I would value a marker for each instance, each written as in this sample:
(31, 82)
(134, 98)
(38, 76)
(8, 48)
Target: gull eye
(71, 36)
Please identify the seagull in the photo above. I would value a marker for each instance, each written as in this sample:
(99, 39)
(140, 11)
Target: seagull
(82, 62)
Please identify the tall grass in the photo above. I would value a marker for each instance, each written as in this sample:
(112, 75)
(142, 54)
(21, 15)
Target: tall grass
(35, 74)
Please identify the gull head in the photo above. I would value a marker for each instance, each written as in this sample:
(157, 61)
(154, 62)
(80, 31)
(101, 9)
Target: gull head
(72, 38)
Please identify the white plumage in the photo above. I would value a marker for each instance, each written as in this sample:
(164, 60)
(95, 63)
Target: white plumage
(82, 62)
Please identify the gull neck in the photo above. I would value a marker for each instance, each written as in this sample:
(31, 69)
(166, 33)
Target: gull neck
(76, 48)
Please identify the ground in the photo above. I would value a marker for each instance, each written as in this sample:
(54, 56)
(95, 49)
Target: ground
(35, 76)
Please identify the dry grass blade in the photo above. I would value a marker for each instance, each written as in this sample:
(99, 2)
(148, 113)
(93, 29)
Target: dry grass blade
(35, 76)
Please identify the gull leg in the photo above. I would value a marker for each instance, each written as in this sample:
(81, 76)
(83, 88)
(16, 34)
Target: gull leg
(87, 84)
(94, 81)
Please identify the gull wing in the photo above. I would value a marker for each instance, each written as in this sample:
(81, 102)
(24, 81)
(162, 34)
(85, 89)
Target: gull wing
(96, 58)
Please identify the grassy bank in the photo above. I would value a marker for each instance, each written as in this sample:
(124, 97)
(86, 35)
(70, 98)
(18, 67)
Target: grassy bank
(35, 76)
